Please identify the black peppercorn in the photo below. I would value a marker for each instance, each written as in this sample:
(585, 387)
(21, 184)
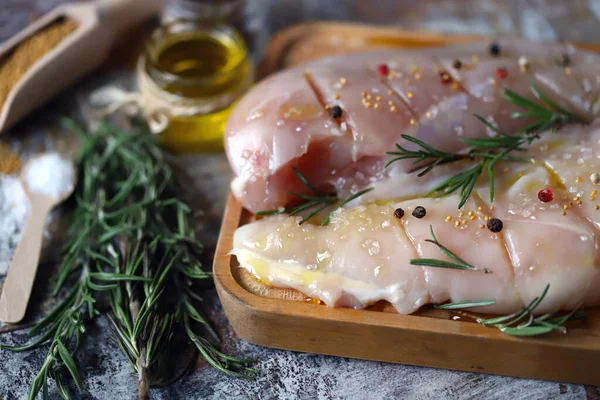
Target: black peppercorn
(399, 213)
(335, 111)
(565, 60)
(419, 212)
(495, 225)
(457, 64)
(494, 49)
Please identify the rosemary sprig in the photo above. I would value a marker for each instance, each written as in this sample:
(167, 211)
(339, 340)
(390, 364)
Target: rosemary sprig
(456, 263)
(316, 202)
(521, 323)
(130, 246)
(487, 152)
(532, 326)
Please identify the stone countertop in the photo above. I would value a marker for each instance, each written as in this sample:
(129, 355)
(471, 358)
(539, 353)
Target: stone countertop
(106, 372)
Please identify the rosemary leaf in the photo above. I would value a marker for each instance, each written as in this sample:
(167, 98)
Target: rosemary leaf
(36, 343)
(69, 363)
(313, 213)
(305, 206)
(522, 102)
(116, 277)
(464, 304)
(306, 182)
(498, 320)
(268, 212)
(432, 262)
(528, 331)
(492, 179)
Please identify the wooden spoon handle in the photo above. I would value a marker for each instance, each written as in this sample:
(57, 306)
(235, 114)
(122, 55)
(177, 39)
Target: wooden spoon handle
(21, 274)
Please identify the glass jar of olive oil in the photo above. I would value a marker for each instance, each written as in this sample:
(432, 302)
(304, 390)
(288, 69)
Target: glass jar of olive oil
(191, 73)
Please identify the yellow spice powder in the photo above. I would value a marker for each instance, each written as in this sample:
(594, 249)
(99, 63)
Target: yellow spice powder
(26, 53)
(10, 162)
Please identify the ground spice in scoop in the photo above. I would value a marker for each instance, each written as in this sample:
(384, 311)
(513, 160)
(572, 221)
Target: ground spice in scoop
(26, 53)
(10, 162)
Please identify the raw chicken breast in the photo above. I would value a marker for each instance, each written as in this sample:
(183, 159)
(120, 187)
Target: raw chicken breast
(285, 121)
(363, 255)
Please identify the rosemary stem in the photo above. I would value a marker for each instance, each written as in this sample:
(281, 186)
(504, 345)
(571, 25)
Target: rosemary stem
(143, 386)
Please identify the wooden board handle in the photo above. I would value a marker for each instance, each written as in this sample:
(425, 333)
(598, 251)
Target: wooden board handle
(23, 268)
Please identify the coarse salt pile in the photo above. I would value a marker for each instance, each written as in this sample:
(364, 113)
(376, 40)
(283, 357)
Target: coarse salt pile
(13, 213)
(50, 175)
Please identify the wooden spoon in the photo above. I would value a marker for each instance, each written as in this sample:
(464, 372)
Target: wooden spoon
(23, 268)
(99, 24)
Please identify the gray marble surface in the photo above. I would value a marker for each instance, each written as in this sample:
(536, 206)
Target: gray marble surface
(290, 375)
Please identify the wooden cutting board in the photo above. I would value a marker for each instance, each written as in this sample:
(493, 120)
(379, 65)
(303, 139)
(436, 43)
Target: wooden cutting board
(286, 319)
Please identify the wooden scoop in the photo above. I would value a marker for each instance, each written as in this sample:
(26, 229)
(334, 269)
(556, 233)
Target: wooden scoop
(98, 26)
(23, 268)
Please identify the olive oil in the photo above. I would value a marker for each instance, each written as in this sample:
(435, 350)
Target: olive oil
(198, 70)
(197, 133)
